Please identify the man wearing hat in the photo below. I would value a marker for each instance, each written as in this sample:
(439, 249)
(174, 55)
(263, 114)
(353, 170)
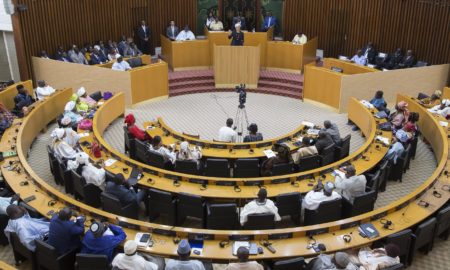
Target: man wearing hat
(102, 239)
(401, 140)
(254, 135)
(130, 259)
(183, 262)
(259, 206)
(350, 185)
(90, 173)
(64, 233)
(313, 198)
(43, 90)
(244, 264)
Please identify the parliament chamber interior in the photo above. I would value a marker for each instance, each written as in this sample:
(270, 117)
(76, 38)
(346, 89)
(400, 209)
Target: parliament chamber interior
(224, 134)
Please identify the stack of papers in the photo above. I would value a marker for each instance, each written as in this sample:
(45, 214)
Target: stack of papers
(269, 153)
(308, 124)
(110, 162)
(443, 123)
(84, 134)
(313, 131)
(383, 140)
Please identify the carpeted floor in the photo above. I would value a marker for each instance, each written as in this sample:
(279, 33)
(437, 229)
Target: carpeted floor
(205, 113)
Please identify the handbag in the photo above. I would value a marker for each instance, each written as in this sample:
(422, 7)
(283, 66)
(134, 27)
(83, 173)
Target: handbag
(96, 150)
(85, 124)
(107, 95)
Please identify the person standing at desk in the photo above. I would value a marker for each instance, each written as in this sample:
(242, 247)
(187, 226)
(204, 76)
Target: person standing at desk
(172, 31)
(143, 33)
(269, 21)
(237, 37)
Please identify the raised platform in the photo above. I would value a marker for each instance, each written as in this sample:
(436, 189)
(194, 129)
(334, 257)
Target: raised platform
(270, 82)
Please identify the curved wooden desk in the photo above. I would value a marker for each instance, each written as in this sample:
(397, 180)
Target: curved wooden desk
(291, 242)
(5, 266)
(221, 149)
(8, 94)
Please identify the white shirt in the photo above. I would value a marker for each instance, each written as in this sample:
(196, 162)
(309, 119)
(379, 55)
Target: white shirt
(27, 229)
(71, 137)
(254, 207)
(227, 134)
(45, 91)
(63, 150)
(134, 262)
(122, 66)
(167, 155)
(252, 265)
(376, 259)
(183, 35)
(300, 40)
(359, 60)
(93, 175)
(313, 199)
(350, 187)
(184, 265)
(437, 110)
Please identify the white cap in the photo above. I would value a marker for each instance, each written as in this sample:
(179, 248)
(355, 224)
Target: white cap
(58, 133)
(81, 91)
(70, 106)
(130, 247)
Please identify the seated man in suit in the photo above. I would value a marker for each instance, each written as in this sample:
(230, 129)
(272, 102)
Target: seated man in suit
(186, 34)
(23, 100)
(63, 57)
(320, 193)
(350, 185)
(333, 130)
(260, 205)
(306, 150)
(394, 59)
(359, 58)
(408, 61)
(216, 25)
(370, 53)
(65, 234)
(120, 189)
(269, 21)
(323, 141)
(172, 31)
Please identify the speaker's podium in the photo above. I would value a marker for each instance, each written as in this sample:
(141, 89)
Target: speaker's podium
(234, 65)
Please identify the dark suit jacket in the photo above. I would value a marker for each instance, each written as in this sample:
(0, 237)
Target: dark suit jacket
(169, 32)
(237, 38)
(273, 22)
(125, 195)
(143, 34)
(95, 59)
(323, 143)
(236, 20)
(371, 55)
(408, 62)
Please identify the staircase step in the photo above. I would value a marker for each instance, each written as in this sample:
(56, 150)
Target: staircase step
(280, 85)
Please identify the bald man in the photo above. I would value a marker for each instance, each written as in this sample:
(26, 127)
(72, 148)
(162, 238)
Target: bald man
(244, 264)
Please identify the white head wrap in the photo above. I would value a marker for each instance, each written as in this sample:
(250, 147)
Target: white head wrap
(58, 133)
(81, 91)
(66, 120)
(237, 25)
(97, 47)
(82, 158)
(446, 102)
(69, 106)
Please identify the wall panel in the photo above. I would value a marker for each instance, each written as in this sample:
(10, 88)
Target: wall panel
(345, 25)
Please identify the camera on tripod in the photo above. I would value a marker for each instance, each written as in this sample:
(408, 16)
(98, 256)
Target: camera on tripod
(242, 95)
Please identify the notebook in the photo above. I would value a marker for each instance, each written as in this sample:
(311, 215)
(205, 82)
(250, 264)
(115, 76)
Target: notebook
(368, 230)
(252, 247)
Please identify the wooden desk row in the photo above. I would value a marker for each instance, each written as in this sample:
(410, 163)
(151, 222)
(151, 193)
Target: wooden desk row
(359, 114)
(290, 242)
(8, 94)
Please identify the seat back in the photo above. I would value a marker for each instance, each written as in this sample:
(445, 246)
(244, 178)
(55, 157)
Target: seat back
(52, 161)
(222, 216)
(246, 168)
(384, 174)
(345, 146)
(191, 205)
(425, 233)
(161, 202)
(290, 264)
(309, 163)
(289, 203)
(111, 204)
(130, 143)
(282, 168)
(96, 96)
(141, 151)
(413, 144)
(217, 167)
(91, 262)
(363, 203)
(46, 256)
(373, 184)
(20, 251)
(264, 221)
(403, 240)
(326, 212)
(155, 159)
(406, 156)
(398, 266)
(328, 155)
(78, 184)
(443, 221)
(186, 166)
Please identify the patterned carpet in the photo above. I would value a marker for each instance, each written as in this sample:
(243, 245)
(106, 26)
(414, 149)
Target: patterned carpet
(205, 113)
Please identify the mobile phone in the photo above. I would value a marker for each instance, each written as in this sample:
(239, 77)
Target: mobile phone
(29, 199)
(144, 238)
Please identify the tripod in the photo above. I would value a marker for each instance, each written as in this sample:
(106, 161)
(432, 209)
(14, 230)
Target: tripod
(241, 115)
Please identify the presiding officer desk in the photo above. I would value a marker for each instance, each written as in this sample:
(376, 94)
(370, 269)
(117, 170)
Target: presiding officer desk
(276, 55)
(225, 188)
(290, 242)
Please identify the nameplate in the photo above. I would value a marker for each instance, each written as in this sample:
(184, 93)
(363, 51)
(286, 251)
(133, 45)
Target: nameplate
(350, 225)
(280, 181)
(253, 183)
(198, 181)
(265, 144)
(279, 236)
(378, 216)
(225, 183)
(172, 177)
(241, 237)
(317, 231)
(128, 225)
(218, 146)
(164, 232)
(200, 236)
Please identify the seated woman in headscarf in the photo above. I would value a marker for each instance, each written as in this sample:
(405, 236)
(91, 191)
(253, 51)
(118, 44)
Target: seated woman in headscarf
(429, 102)
(85, 168)
(81, 106)
(134, 130)
(71, 137)
(82, 94)
(400, 142)
(400, 116)
(283, 155)
(186, 153)
(60, 147)
(411, 125)
(441, 109)
(71, 112)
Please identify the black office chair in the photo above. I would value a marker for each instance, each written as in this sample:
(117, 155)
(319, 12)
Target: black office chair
(384, 175)
(423, 238)
(187, 167)
(309, 163)
(222, 216)
(162, 203)
(327, 155)
(47, 257)
(264, 221)
(97, 96)
(130, 143)
(361, 204)
(63, 176)
(403, 240)
(326, 212)
(443, 223)
(282, 168)
(217, 167)
(289, 204)
(343, 150)
(190, 205)
(91, 262)
(246, 168)
(407, 158)
(111, 204)
(156, 159)
(413, 144)
(290, 264)
(373, 183)
(396, 172)
(87, 193)
(398, 266)
(21, 252)
(3, 223)
(141, 151)
(109, 176)
(53, 163)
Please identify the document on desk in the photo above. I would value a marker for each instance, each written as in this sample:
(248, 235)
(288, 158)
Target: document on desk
(269, 153)
(252, 247)
(443, 123)
(308, 124)
(313, 131)
(383, 140)
(110, 162)
(83, 134)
